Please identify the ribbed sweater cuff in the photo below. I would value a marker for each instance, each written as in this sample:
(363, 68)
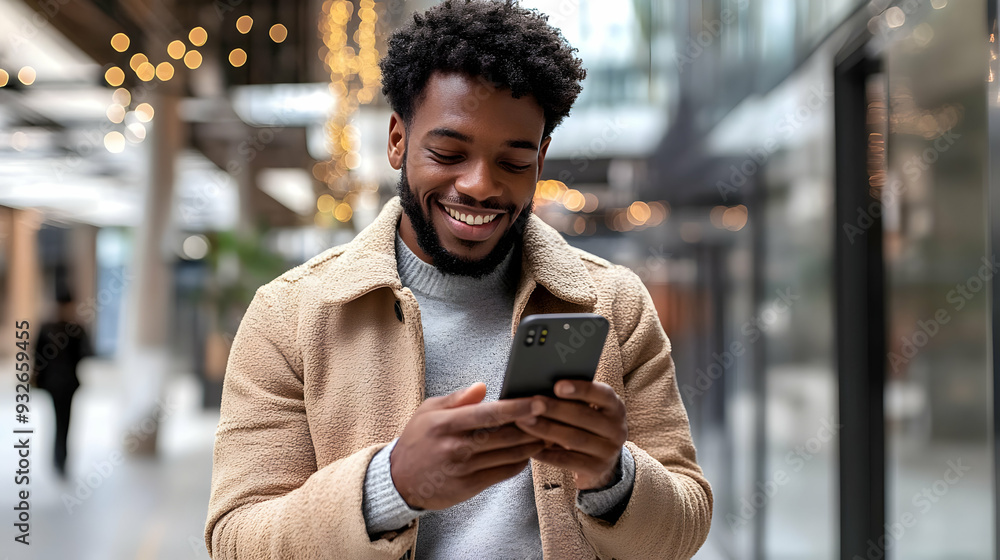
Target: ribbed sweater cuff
(384, 508)
(599, 501)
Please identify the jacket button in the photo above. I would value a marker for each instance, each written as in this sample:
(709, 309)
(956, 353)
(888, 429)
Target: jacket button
(399, 310)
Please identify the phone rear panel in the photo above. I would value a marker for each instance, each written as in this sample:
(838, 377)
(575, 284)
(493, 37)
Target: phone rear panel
(550, 347)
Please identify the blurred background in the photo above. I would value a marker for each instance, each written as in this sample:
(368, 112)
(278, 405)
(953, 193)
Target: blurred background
(806, 187)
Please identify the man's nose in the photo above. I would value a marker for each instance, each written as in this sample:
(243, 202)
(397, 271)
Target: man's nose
(478, 181)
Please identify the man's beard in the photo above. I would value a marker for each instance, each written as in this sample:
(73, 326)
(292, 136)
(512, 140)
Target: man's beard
(445, 261)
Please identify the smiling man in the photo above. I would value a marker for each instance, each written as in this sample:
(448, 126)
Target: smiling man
(360, 414)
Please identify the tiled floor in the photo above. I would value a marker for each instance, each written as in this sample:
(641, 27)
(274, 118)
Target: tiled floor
(109, 509)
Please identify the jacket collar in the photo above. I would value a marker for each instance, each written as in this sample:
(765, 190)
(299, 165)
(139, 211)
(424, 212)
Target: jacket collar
(369, 261)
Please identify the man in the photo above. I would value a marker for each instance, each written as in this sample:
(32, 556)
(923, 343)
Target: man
(360, 416)
(60, 347)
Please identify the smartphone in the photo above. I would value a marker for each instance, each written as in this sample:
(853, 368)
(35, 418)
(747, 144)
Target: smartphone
(553, 346)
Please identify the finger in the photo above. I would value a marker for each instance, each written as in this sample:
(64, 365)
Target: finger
(569, 437)
(571, 460)
(593, 392)
(487, 415)
(490, 459)
(489, 477)
(582, 416)
(469, 395)
(488, 439)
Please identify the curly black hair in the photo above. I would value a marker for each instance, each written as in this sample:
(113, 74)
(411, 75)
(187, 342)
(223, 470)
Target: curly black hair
(513, 47)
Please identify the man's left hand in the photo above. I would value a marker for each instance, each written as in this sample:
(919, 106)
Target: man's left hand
(587, 427)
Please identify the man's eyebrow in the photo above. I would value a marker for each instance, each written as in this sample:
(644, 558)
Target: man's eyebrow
(444, 132)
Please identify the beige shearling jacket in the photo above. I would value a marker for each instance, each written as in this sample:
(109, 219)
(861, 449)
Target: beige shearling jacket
(327, 367)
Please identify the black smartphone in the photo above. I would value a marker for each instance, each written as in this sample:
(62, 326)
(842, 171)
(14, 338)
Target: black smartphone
(553, 346)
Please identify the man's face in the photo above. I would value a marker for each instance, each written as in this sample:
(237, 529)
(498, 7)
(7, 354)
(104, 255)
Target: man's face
(470, 149)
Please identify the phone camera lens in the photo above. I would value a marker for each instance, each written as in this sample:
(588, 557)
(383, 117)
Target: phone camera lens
(531, 332)
(529, 340)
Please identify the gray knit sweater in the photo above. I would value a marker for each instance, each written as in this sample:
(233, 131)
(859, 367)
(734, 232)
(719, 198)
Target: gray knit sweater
(466, 326)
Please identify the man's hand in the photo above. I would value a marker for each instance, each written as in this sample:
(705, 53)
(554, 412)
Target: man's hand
(456, 446)
(588, 428)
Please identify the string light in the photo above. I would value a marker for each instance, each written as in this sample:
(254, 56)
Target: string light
(137, 60)
(354, 80)
(243, 24)
(4, 77)
(278, 33)
(120, 42)
(176, 49)
(238, 57)
(198, 36)
(122, 97)
(116, 113)
(26, 75)
(192, 59)
(146, 71)
(144, 112)
(114, 141)
(114, 76)
(164, 71)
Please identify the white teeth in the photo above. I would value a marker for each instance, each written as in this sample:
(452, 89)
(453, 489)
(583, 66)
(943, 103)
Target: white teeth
(471, 219)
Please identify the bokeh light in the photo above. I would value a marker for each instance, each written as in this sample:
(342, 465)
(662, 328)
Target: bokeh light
(144, 112)
(26, 75)
(238, 57)
(176, 49)
(164, 71)
(114, 76)
(114, 141)
(192, 59)
(198, 36)
(243, 24)
(278, 33)
(120, 42)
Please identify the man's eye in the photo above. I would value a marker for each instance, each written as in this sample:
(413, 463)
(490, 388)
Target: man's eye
(518, 168)
(444, 158)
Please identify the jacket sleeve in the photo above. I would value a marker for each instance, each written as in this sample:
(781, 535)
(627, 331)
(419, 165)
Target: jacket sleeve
(670, 510)
(268, 498)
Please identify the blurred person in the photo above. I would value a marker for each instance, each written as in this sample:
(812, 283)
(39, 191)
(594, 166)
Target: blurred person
(360, 401)
(59, 348)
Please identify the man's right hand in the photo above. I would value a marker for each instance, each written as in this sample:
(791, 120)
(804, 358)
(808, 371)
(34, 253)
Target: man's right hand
(456, 446)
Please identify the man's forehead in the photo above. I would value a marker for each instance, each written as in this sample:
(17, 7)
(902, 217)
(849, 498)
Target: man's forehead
(466, 103)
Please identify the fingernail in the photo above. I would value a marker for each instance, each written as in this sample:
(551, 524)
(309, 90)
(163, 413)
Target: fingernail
(529, 421)
(537, 407)
(566, 388)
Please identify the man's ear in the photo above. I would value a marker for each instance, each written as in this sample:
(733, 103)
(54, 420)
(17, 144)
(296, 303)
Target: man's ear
(541, 155)
(397, 141)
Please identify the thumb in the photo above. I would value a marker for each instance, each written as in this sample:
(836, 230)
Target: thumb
(470, 395)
